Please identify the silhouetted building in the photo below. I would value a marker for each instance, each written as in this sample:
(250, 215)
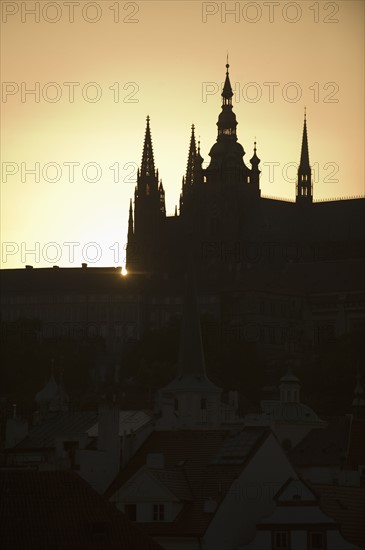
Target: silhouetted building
(224, 219)
(284, 275)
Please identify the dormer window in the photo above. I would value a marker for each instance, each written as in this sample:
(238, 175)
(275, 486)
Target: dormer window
(316, 541)
(281, 540)
(158, 512)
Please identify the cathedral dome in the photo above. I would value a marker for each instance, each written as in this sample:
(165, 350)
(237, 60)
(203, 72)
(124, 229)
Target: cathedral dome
(227, 152)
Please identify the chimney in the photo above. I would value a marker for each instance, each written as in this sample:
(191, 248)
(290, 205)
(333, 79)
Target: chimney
(84, 266)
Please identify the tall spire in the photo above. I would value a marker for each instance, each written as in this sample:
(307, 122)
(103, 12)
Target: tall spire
(148, 164)
(304, 183)
(227, 92)
(189, 180)
(304, 156)
(130, 221)
(227, 119)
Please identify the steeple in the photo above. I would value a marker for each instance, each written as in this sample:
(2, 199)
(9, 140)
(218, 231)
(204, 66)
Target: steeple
(227, 93)
(304, 184)
(148, 163)
(227, 154)
(147, 176)
(227, 119)
(254, 178)
(130, 221)
(189, 179)
(194, 172)
(304, 156)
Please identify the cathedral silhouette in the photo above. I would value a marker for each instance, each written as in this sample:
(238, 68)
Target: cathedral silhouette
(284, 275)
(224, 221)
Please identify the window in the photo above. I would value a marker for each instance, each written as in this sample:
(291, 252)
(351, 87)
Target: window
(281, 540)
(158, 512)
(131, 511)
(316, 541)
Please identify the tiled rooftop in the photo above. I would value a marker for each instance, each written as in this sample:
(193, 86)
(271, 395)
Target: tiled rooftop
(59, 511)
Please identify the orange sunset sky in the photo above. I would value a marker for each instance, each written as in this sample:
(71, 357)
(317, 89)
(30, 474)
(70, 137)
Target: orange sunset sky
(160, 57)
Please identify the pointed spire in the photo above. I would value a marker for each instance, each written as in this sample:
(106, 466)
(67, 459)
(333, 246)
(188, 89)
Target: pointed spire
(191, 158)
(304, 184)
(227, 92)
(227, 122)
(148, 163)
(304, 156)
(130, 220)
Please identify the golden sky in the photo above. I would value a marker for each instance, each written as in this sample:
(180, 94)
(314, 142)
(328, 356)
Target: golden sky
(99, 68)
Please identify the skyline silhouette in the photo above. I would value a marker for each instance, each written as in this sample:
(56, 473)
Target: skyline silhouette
(108, 132)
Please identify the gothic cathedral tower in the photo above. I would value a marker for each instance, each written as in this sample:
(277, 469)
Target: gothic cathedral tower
(146, 230)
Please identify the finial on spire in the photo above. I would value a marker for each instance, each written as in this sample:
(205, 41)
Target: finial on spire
(255, 161)
(227, 64)
(304, 156)
(148, 164)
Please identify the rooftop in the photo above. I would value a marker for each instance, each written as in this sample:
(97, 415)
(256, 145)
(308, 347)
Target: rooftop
(54, 510)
